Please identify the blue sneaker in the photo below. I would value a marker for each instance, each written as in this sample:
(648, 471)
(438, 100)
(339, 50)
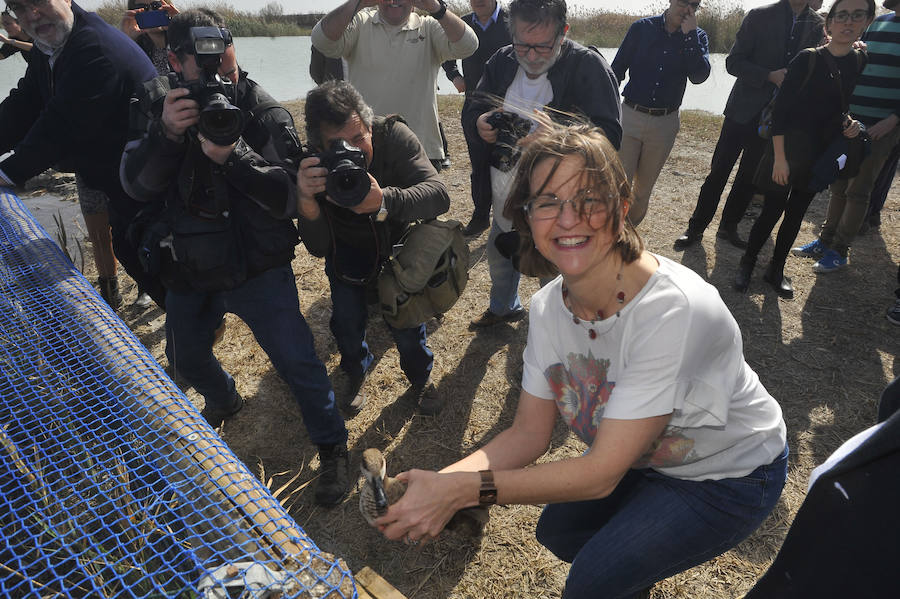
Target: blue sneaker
(830, 262)
(813, 249)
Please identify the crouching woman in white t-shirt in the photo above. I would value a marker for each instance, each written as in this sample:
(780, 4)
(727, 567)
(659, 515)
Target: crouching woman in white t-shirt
(643, 360)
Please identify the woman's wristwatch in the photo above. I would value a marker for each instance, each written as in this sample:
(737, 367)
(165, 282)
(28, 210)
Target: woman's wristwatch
(487, 495)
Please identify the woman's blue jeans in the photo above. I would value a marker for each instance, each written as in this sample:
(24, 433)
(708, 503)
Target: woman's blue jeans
(653, 526)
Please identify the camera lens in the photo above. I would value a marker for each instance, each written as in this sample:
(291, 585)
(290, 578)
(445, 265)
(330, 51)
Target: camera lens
(220, 121)
(347, 184)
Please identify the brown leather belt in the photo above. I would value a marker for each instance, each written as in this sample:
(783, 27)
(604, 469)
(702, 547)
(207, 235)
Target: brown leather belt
(648, 110)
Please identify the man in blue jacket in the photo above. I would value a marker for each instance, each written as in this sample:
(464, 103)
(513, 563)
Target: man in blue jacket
(72, 107)
(540, 69)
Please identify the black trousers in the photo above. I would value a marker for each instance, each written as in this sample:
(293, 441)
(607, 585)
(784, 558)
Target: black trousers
(480, 178)
(793, 203)
(735, 140)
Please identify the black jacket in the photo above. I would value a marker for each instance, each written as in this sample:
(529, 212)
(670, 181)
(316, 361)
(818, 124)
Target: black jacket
(76, 112)
(765, 42)
(229, 222)
(583, 83)
(412, 191)
(843, 541)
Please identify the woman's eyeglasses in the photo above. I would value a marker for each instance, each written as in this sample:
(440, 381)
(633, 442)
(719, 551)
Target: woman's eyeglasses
(549, 206)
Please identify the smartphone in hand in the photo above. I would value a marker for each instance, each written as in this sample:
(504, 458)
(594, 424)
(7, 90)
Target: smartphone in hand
(149, 19)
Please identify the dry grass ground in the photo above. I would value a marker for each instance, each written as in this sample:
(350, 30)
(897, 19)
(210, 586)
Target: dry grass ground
(826, 355)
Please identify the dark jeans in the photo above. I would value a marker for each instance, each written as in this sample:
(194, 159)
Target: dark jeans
(735, 139)
(268, 304)
(480, 176)
(653, 526)
(791, 202)
(348, 324)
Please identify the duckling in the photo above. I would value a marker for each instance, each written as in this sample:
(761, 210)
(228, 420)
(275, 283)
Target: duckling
(379, 491)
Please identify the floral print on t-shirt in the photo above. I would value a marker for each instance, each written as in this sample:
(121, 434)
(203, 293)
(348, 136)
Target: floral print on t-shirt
(581, 392)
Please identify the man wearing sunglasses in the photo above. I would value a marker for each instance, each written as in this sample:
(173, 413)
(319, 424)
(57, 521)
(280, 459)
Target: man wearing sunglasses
(225, 237)
(72, 107)
(768, 39)
(541, 69)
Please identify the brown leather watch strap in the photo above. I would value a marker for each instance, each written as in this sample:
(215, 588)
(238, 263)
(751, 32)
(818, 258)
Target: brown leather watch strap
(487, 495)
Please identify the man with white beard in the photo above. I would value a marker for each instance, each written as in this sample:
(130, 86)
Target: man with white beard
(540, 69)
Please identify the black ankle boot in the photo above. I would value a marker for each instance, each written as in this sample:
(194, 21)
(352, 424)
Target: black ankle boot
(109, 291)
(774, 276)
(745, 271)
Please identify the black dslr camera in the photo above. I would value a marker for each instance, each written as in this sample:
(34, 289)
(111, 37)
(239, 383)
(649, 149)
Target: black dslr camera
(347, 183)
(510, 129)
(220, 121)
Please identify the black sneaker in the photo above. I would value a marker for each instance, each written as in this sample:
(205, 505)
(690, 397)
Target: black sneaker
(334, 474)
(214, 415)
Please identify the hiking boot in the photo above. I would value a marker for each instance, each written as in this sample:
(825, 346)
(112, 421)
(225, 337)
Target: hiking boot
(489, 319)
(109, 291)
(830, 262)
(427, 398)
(215, 415)
(334, 474)
(813, 249)
(894, 313)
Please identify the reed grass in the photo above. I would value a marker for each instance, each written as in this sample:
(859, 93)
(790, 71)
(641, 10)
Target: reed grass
(605, 29)
(720, 19)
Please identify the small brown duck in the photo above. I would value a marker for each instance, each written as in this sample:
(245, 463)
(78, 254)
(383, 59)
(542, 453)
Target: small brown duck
(379, 491)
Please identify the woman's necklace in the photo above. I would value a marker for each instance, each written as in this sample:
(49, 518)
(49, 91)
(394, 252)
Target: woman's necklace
(618, 294)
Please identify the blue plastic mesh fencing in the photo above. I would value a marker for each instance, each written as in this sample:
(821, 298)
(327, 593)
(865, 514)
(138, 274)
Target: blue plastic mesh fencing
(111, 483)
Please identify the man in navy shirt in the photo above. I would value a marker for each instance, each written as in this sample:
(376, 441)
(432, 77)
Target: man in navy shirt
(488, 21)
(660, 54)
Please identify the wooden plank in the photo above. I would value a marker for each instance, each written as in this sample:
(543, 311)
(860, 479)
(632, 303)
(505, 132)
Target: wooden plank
(377, 586)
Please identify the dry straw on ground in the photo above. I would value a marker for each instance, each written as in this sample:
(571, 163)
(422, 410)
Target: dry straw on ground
(826, 356)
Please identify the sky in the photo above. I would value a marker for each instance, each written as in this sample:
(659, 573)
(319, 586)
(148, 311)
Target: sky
(305, 6)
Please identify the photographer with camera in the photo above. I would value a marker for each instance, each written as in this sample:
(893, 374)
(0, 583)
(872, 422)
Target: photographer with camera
(541, 68)
(217, 155)
(358, 197)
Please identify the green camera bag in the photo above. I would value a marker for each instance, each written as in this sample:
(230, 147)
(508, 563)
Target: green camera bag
(427, 276)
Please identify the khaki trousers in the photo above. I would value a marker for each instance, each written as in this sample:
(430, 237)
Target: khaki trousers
(646, 143)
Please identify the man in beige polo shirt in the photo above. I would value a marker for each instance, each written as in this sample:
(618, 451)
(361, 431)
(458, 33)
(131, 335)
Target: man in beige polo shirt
(394, 56)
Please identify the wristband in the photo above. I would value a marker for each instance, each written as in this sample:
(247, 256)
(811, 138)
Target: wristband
(487, 495)
(439, 13)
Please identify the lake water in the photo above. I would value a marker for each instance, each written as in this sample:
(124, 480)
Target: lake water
(281, 66)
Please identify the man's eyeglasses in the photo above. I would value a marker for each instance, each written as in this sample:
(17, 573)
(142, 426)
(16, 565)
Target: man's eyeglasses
(539, 49)
(857, 16)
(685, 4)
(547, 206)
(20, 8)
